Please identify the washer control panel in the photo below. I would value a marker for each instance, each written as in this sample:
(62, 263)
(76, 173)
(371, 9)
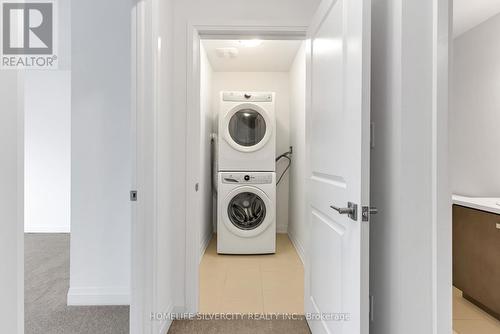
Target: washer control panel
(247, 96)
(250, 178)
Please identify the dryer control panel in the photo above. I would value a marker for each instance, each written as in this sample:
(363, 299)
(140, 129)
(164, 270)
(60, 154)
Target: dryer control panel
(247, 97)
(250, 178)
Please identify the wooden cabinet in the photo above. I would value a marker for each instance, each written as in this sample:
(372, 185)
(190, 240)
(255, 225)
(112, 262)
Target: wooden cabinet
(476, 257)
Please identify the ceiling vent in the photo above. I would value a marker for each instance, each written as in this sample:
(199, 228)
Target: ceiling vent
(227, 52)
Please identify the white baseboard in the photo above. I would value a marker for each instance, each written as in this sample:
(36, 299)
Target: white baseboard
(282, 229)
(87, 296)
(298, 247)
(47, 229)
(165, 326)
(204, 244)
(166, 323)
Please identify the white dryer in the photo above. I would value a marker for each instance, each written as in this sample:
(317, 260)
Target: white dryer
(247, 132)
(246, 213)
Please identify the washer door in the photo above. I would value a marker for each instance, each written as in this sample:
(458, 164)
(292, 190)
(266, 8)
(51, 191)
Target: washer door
(248, 211)
(247, 127)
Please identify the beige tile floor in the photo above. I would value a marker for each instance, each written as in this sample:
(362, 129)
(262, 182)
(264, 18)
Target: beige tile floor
(470, 319)
(271, 283)
(274, 284)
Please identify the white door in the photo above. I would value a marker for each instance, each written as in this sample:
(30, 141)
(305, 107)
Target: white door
(336, 292)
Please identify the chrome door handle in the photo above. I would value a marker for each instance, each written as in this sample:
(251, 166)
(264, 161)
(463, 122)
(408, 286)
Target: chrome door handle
(351, 210)
(343, 211)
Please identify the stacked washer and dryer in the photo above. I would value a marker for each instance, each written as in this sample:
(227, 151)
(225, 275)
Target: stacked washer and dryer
(246, 178)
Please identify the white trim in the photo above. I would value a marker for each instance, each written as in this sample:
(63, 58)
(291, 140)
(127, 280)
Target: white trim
(166, 322)
(20, 200)
(298, 247)
(205, 244)
(144, 211)
(196, 31)
(48, 229)
(236, 30)
(134, 249)
(441, 192)
(281, 229)
(193, 121)
(98, 296)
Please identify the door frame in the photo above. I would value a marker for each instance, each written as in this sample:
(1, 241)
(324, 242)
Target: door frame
(441, 250)
(195, 33)
(144, 239)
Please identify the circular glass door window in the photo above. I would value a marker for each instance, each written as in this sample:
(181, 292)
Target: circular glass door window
(246, 211)
(247, 127)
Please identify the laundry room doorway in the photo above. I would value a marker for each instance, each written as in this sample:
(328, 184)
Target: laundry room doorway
(288, 236)
(251, 230)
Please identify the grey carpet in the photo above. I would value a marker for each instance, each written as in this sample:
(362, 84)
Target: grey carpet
(46, 284)
(239, 326)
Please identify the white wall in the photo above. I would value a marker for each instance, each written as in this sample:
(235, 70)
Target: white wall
(101, 157)
(475, 111)
(47, 96)
(297, 228)
(47, 103)
(12, 200)
(277, 82)
(206, 127)
(11, 203)
(410, 238)
(297, 13)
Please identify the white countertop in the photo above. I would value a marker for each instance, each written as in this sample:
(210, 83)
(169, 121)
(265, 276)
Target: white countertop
(488, 204)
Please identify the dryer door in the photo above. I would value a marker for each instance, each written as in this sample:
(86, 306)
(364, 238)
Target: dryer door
(247, 127)
(248, 211)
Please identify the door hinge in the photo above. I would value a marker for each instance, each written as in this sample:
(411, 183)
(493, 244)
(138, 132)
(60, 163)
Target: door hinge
(133, 195)
(371, 308)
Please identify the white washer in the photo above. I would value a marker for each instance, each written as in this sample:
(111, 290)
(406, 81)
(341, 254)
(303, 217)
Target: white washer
(247, 132)
(246, 213)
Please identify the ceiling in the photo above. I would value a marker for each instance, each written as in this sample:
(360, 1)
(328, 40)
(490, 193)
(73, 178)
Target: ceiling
(269, 56)
(469, 13)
